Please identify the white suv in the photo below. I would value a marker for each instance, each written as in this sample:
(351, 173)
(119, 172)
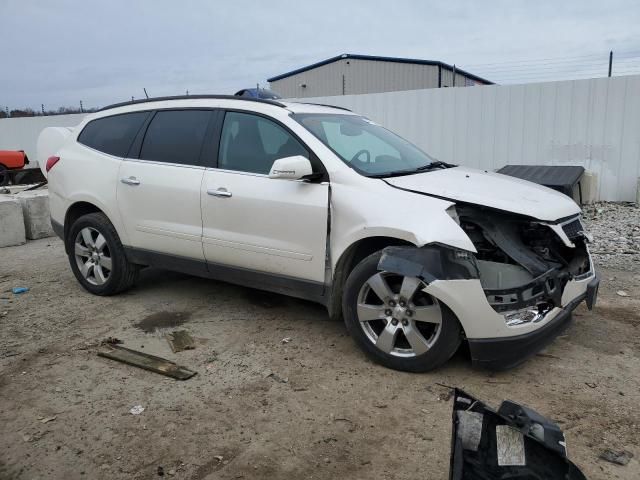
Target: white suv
(319, 203)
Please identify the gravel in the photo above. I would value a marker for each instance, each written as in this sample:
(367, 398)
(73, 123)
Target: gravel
(616, 234)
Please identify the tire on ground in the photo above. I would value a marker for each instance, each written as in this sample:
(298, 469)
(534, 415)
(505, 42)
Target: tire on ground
(123, 273)
(446, 344)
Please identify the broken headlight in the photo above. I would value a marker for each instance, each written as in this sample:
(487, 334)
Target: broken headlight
(523, 316)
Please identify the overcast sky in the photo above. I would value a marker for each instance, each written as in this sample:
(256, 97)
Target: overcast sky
(59, 52)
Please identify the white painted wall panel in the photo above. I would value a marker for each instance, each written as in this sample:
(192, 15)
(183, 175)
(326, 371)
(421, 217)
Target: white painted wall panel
(22, 133)
(594, 123)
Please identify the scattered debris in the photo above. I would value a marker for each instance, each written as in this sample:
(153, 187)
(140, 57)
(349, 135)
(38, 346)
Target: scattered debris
(159, 320)
(590, 385)
(136, 410)
(445, 397)
(171, 472)
(548, 355)
(34, 437)
(180, 340)
(111, 341)
(380, 405)
(341, 419)
(285, 340)
(620, 293)
(278, 378)
(619, 458)
(48, 419)
(616, 234)
(160, 471)
(148, 362)
(19, 290)
(218, 457)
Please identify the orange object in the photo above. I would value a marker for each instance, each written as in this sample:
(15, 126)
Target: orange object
(12, 159)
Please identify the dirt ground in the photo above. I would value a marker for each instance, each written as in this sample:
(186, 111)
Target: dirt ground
(328, 412)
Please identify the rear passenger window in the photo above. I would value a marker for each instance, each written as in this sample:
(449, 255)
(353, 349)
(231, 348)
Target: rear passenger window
(113, 135)
(251, 143)
(176, 136)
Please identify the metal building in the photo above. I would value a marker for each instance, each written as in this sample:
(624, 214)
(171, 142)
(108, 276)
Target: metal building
(354, 74)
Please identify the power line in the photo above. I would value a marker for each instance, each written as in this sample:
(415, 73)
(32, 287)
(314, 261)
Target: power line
(619, 55)
(495, 70)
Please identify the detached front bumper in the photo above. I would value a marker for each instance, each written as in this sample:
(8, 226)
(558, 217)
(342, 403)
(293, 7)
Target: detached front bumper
(507, 352)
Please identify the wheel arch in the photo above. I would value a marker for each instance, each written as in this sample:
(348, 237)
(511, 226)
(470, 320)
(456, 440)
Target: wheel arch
(350, 257)
(75, 211)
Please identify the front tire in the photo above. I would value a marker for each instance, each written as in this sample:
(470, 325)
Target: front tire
(97, 257)
(395, 322)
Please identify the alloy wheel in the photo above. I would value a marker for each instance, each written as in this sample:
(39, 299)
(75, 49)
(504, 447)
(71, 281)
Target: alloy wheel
(397, 316)
(93, 256)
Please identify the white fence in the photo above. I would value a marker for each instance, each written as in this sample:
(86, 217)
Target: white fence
(594, 123)
(22, 133)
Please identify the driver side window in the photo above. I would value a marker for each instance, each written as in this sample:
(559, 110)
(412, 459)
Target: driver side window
(251, 143)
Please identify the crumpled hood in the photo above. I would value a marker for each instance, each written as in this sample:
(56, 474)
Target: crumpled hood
(490, 190)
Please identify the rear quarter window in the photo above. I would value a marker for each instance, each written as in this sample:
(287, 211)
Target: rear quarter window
(176, 136)
(113, 135)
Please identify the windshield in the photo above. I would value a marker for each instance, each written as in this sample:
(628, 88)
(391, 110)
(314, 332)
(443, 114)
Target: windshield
(367, 147)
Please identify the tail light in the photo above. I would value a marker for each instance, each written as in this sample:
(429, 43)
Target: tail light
(51, 161)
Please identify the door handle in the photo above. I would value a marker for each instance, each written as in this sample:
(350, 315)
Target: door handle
(130, 181)
(221, 192)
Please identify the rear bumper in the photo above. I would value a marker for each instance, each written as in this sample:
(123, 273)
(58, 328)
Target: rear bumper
(507, 352)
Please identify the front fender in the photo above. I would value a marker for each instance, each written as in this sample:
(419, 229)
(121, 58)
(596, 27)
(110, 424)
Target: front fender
(377, 209)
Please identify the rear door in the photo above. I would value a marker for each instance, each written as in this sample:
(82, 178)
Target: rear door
(256, 223)
(159, 186)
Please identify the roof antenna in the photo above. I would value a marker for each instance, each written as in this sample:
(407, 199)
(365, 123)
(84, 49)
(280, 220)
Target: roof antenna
(145, 92)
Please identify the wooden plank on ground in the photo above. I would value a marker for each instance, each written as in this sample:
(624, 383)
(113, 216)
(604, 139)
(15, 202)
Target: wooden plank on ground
(180, 340)
(148, 362)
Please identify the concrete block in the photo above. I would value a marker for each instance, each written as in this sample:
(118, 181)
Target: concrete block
(11, 222)
(35, 209)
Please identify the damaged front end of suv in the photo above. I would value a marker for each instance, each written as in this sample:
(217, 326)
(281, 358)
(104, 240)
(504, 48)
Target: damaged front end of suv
(515, 294)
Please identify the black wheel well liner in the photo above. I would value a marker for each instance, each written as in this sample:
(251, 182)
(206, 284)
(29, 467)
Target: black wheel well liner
(74, 212)
(354, 254)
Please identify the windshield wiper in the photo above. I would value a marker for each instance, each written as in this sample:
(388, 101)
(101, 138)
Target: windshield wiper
(435, 164)
(429, 166)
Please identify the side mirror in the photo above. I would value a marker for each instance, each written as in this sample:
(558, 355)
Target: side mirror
(291, 168)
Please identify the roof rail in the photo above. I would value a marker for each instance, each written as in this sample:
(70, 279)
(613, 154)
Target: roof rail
(190, 97)
(325, 105)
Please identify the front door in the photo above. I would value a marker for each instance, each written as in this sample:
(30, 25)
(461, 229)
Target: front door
(259, 224)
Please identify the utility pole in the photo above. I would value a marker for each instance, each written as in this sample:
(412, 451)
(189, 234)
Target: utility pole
(610, 61)
(145, 92)
(454, 75)
(81, 108)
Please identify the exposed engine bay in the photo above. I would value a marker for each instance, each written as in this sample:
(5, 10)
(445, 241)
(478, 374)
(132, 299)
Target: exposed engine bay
(523, 263)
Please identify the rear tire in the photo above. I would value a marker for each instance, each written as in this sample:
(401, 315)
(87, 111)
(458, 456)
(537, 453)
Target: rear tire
(408, 329)
(97, 257)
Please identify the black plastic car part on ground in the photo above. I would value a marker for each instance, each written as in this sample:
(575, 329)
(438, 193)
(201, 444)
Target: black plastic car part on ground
(514, 443)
